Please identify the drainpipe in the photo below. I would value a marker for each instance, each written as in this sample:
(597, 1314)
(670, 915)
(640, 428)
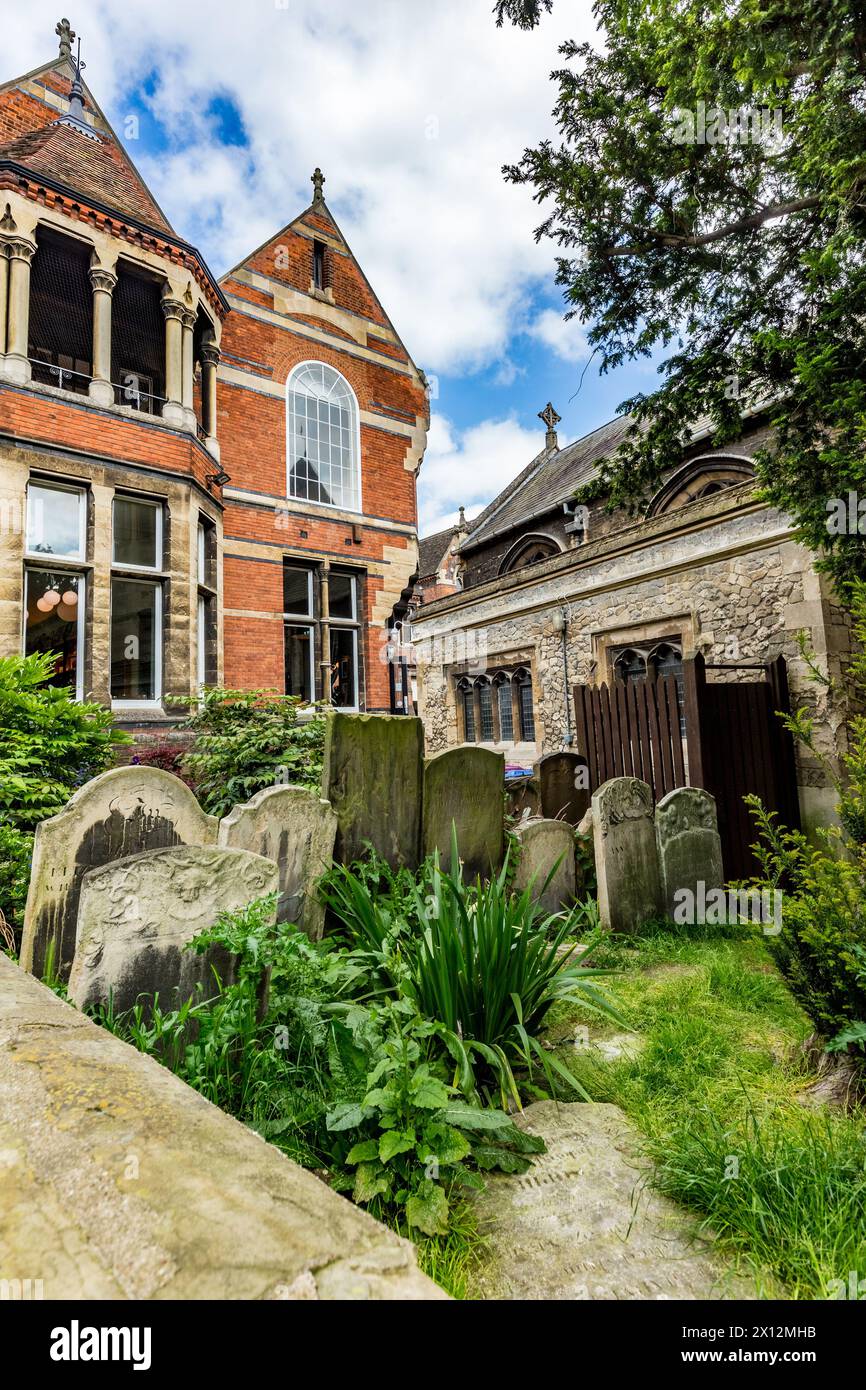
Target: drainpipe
(560, 625)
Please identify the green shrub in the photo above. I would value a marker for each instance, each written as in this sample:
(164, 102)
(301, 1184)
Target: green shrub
(16, 849)
(247, 740)
(481, 961)
(819, 948)
(49, 743)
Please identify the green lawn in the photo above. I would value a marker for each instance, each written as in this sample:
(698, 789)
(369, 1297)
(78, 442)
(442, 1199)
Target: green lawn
(716, 1088)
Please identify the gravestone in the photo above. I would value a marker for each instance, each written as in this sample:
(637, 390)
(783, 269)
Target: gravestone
(465, 786)
(135, 917)
(689, 848)
(583, 1224)
(626, 859)
(117, 814)
(563, 779)
(547, 846)
(296, 829)
(372, 776)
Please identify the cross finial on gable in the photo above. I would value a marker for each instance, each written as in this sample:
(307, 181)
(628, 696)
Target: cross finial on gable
(317, 179)
(551, 420)
(66, 34)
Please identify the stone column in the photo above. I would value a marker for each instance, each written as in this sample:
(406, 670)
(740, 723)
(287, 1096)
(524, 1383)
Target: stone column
(325, 632)
(4, 296)
(173, 310)
(103, 282)
(21, 252)
(188, 318)
(210, 356)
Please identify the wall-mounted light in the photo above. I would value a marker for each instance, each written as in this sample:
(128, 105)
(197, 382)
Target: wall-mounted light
(218, 479)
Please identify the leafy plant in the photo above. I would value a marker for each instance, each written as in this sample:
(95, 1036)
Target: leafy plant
(481, 961)
(16, 849)
(821, 946)
(247, 740)
(49, 743)
(415, 1140)
(169, 757)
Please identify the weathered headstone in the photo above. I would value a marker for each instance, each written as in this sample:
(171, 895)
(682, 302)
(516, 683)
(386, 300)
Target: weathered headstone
(626, 860)
(571, 1227)
(563, 779)
(119, 813)
(689, 848)
(296, 829)
(135, 917)
(547, 850)
(522, 797)
(465, 786)
(372, 777)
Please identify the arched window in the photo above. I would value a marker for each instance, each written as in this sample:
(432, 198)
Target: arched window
(529, 550)
(502, 682)
(466, 695)
(630, 665)
(485, 708)
(322, 437)
(523, 679)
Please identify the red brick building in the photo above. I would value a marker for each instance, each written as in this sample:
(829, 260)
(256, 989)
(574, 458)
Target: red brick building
(200, 481)
(322, 421)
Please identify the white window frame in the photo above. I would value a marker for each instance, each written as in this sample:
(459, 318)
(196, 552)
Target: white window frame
(80, 627)
(201, 642)
(201, 553)
(348, 625)
(356, 440)
(306, 620)
(156, 701)
(49, 485)
(300, 619)
(124, 564)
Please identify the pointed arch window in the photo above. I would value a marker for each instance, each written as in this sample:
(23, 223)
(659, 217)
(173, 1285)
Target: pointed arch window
(322, 446)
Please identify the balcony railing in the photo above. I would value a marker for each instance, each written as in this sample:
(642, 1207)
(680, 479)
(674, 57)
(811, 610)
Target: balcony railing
(138, 400)
(62, 377)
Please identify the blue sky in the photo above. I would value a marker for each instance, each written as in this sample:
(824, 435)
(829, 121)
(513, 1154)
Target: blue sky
(410, 109)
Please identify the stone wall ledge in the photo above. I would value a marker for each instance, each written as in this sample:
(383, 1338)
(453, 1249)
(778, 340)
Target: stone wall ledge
(119, 1181)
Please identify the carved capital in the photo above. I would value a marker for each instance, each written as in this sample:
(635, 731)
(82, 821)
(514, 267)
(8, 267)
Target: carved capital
(172, 308)
(209, 354)
(188, 318)
(102, 279)
(20, 249)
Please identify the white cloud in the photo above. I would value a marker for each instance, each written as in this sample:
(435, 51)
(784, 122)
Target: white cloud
(564, 337)
(410, 109)
(471, 466)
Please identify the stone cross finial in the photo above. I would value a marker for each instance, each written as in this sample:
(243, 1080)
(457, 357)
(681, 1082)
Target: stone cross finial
(66, 34)
(317, 179)
(551, 420)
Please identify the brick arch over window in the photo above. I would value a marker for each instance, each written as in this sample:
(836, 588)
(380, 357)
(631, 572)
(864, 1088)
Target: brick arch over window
(529, 550)
(323, 447)
(698, 478)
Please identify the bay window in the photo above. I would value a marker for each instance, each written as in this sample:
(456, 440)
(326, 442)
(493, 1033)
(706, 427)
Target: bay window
(298, 631)
(136, 601)
(56, 520)
(54, 622)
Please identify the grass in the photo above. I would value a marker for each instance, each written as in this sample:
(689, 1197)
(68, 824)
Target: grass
(716, 1089)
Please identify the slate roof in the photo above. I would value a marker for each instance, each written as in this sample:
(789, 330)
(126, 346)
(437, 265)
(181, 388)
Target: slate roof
(546, 482)
(431, 549)
(97, 169)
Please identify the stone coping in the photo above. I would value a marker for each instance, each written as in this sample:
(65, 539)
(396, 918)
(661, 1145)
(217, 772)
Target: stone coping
(119, 1181)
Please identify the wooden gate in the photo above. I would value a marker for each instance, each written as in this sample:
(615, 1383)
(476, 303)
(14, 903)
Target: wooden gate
(723, 736)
